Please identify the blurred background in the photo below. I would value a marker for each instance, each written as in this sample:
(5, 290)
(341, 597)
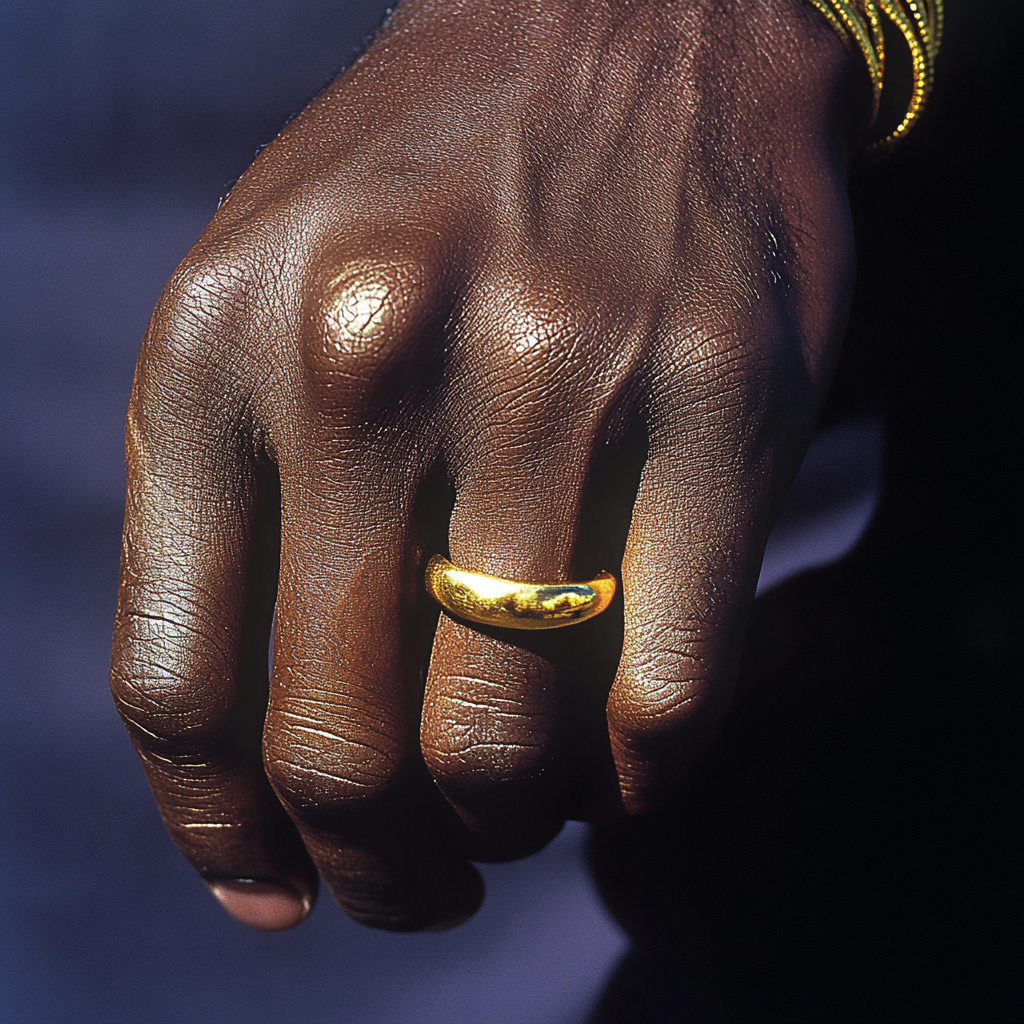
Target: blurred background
(849, 851)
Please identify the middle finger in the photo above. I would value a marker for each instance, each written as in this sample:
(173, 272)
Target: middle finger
(341, 747)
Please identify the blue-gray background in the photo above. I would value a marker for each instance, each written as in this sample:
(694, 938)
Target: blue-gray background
(123, 124)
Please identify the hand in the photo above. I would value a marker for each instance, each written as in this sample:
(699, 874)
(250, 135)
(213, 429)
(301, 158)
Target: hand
(539, 257)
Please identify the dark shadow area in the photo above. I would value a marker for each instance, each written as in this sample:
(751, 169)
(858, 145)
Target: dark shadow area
(850, 849)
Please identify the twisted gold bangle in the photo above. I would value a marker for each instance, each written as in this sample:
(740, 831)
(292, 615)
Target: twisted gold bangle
(859, 24)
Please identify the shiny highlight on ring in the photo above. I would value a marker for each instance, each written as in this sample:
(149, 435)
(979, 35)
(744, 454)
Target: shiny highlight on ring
(512, 604)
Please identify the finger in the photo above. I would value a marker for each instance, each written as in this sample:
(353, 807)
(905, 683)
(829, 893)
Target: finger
(686, 587)
(495, 729)
(341, 738)
(189, 668)
(340, 743)
(719, 461)
(732, 401)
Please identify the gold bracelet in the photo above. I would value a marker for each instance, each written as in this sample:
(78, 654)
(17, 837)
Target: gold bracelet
(859, 23)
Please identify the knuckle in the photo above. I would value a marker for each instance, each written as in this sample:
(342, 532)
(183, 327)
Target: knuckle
(170, 681)
(195, 361)
(325, 772)
(539, 330)
(657, 694)
(205, 298)
(471, 745)
(363, 317)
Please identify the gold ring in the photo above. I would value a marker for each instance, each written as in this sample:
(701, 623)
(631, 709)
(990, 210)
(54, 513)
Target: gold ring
(514, 605)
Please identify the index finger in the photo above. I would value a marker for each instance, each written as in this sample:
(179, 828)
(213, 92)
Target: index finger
(198, 578)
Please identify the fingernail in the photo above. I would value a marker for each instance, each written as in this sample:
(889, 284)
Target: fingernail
(262, 905)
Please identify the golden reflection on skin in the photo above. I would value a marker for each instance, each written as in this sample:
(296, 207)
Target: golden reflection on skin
(357, 313)
(493, 601)
(533, 335)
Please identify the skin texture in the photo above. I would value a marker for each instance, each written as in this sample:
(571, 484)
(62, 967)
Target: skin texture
(546, 287)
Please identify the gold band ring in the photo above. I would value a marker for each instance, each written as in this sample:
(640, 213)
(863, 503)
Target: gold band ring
(514, 605)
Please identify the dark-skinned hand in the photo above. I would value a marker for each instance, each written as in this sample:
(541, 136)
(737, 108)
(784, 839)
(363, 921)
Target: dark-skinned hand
(526, 263)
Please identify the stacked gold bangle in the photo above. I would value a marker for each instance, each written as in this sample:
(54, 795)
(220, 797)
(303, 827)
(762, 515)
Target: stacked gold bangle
(859, 23)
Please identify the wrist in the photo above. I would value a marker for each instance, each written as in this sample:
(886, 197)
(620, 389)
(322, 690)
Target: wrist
(761, 54)
(700, 76)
